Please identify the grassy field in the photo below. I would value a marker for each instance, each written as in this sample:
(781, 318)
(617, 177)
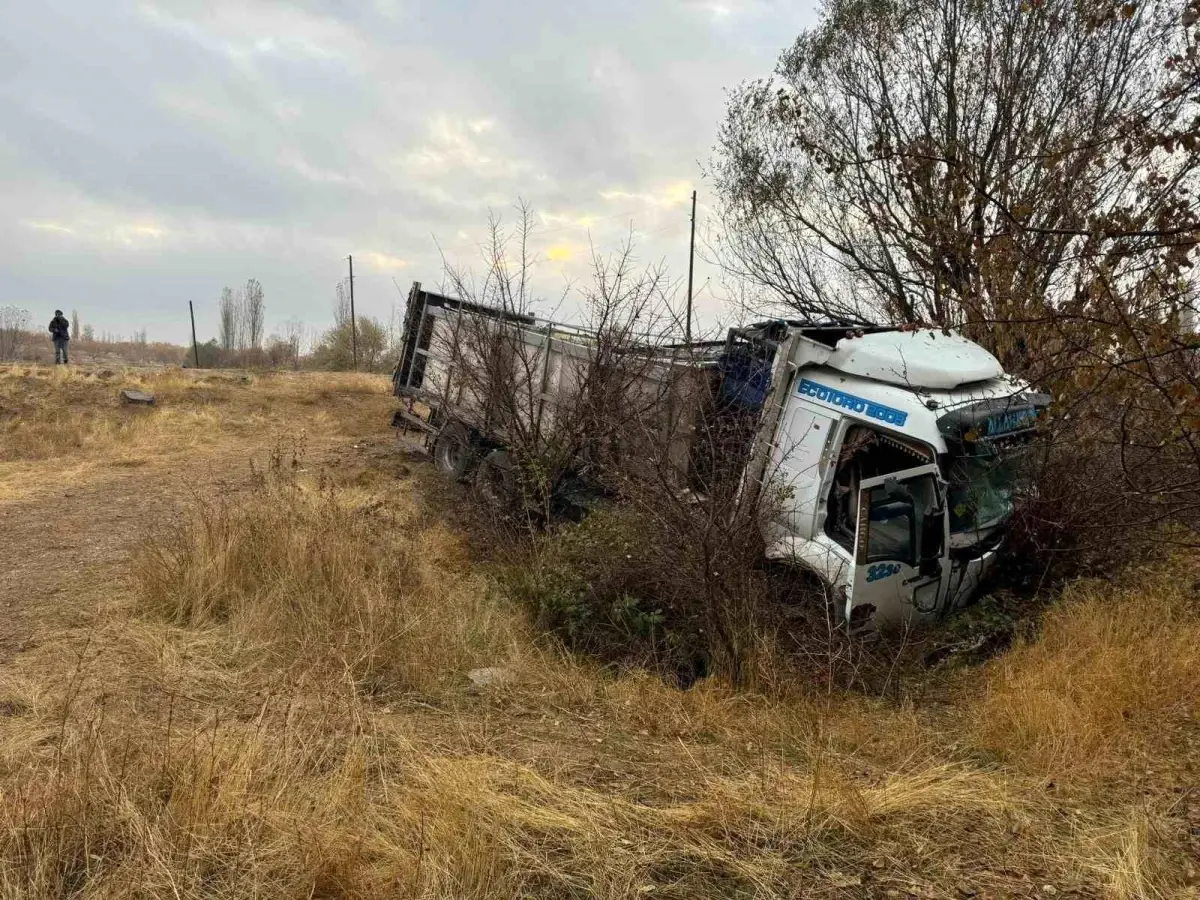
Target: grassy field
(266, 694)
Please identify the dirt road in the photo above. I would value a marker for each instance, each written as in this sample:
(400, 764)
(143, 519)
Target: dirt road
(66, 537)
(66, 550)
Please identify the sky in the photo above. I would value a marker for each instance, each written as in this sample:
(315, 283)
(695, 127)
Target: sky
(152, 153)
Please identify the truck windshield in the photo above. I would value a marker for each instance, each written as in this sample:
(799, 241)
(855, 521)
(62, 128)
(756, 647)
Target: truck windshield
(983, 485)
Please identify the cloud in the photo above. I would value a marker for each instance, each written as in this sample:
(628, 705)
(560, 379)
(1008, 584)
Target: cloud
(675, 194)
(53, 227)
(156, 150)
(383, 262)
(133, 235)
(455, 145)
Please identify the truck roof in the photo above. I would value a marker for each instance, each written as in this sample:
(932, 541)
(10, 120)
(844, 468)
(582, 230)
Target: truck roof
(925, 358)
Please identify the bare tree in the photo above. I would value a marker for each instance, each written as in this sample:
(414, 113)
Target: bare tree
(615, 403)
(253, 315)
(293, 336)
(75, 330)
(227, 311)
(14, 323)
(341, 305)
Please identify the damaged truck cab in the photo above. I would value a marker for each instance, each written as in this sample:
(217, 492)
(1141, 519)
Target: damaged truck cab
(897, 454)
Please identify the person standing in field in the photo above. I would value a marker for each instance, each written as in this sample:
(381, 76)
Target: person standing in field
(60, 333)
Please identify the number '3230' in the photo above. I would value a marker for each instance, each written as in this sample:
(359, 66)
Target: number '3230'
(881, 571)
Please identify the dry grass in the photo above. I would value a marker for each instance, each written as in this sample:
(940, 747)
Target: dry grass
(74, 417)
(284, 712)
(325, 581)
(1111, 681)
(282, 709)
(47, 413)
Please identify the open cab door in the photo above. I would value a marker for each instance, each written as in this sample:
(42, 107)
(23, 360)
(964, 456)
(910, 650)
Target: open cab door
(901, 568)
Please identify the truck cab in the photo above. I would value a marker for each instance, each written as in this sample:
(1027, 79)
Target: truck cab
(897, 455)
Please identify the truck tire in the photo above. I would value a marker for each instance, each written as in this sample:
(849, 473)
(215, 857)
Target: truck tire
(454, 452)
(496, 481)
(799, 595)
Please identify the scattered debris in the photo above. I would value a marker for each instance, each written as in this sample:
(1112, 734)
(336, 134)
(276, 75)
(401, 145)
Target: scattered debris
(489, 676)
(131, 396)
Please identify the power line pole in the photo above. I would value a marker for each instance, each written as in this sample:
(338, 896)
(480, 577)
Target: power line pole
(195, 346)
(353, 326)
(687, 333)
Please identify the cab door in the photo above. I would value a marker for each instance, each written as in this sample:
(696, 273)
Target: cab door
(901, 570)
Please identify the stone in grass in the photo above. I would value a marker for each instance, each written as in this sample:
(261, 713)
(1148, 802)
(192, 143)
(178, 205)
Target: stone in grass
(131, 396)
(489, 676)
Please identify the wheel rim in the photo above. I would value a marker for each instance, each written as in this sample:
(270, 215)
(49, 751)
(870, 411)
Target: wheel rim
(452, 452)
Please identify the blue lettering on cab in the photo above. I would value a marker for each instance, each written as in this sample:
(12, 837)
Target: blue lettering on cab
(842, 400)
(882, 571)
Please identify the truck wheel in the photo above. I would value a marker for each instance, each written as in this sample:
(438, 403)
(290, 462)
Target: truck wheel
(496, 481)
(452, 451)
(798, 594)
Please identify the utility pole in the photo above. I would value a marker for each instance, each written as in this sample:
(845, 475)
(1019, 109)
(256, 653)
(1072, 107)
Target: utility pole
(195, 346)
(687, 333)
(353, 326)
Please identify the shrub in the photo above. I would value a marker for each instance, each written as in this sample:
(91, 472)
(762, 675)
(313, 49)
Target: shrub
(637, 589)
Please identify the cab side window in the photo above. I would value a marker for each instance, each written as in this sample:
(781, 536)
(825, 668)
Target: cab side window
(866, 453)
(891, 534)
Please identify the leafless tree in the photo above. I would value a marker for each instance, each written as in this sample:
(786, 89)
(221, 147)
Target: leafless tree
(293, 336)
(227, 311)
(253, 315)
(75, 330)
(614, 403)
(341, 306)
(14, 323)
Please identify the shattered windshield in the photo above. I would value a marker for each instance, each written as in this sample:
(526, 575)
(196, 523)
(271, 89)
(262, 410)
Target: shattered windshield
(983, 486)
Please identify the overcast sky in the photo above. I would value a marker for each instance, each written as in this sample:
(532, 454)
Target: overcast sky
(152, 152)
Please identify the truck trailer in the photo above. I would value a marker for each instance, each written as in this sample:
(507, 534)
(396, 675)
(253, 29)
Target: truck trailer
(898, 452)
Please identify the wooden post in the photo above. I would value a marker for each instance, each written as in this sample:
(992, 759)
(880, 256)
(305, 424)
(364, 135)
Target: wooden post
(687, 334)
(353, 325)
(195, 346)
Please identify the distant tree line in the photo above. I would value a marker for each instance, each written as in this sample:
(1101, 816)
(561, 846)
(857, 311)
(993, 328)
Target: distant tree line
(241, 341)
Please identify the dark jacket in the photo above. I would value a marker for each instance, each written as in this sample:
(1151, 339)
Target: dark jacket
(60, 328)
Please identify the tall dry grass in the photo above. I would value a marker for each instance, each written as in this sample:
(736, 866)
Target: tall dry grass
(364, 588)
(1110, 684)
(284, 710)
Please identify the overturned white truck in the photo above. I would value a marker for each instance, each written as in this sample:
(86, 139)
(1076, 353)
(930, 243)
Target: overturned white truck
(898, 451)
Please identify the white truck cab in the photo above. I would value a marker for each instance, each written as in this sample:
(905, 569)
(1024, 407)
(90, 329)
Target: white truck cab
(897, 453)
